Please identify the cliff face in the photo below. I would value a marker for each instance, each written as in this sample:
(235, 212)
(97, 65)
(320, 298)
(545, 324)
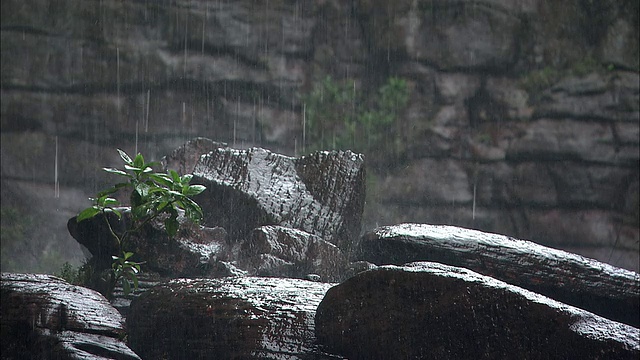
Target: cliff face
(522, 119)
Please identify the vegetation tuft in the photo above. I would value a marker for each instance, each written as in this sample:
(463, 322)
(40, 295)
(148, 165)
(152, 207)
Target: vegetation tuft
(337, 117)
(153, 196)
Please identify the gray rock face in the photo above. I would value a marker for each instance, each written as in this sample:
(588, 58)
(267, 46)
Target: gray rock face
(229, 318)
(597, 287)
(493, 83)
(195, 251)
(322, 193)
(44, 317)
(430, 310)
(286, 252)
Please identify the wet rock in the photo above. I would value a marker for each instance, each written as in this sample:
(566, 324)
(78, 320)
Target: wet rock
(322, 193)
(431, 310)
(184, 158)
(44, 317)
(286, 252)
(610, 97)
(573, 140)
(228, 318)
(195, 250)
(597, 287)
(440, 32)
(428, 180)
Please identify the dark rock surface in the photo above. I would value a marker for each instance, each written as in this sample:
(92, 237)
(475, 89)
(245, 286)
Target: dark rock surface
(195, 251)
(498, 88)
(322, 193)
(228, 318)
(430, 310)
(285, 252)
(586, 283)
(44, 317)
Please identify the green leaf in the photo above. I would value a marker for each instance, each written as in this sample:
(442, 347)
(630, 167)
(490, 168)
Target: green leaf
(194, 190)
(139, 161)
(143, 190)
(125, 157)
(126, 287)
(162, 179)
(115, 212)
(108, 202)
(186, 179)
(135, 281)
(171, 225)
(133, 168)
(88, 213)
(127, 255)
(175, 176)
(117, 171)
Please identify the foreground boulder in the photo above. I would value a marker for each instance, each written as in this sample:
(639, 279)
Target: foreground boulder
(429, 310)
(594, 286)
(228, 318)
(44, 317)
(322, 193)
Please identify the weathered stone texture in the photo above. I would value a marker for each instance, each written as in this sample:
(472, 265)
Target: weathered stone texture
(430, 310)
(493, 83)
(597, 287)
(322, 193)
(248, 317)
(44, 317)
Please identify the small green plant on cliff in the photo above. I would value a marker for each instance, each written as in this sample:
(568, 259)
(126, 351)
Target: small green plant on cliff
(337, 117)
(153, 196)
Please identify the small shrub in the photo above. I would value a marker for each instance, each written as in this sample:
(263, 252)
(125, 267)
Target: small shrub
(337, 117)
(152, 195)
(76, 276)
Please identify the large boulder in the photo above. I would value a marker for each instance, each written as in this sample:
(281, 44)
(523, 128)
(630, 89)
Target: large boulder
(431, 310)
(322, 193)
(227, 318)
(597, 287)
(44, 317)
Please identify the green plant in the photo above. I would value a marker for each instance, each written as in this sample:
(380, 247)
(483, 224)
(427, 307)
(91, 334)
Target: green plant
(153, 195)
(73, 275)
(337, 117)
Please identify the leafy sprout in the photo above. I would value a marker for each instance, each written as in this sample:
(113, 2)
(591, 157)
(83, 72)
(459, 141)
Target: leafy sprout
(152, 195)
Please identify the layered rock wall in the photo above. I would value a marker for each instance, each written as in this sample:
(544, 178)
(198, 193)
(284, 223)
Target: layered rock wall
(522, 118)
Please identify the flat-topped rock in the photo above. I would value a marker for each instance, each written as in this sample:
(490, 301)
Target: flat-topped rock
(227, 318)
(586, 283)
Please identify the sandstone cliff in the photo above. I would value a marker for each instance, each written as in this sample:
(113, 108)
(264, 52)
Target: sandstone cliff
(523, 116)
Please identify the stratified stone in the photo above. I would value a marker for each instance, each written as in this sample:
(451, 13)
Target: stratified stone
(434, 311)
(228, 318)
(322, 193)
(185, 158)
(286, 252)
(44, 317)
(597, 287)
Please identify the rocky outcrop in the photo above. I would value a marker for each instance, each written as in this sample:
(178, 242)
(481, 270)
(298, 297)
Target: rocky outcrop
(229, 318)
(516, 107)
(569, 278)
(430, 310)
(44, 317)
(322, 193)
(285, 252)
(278, 216)
(195, 251)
